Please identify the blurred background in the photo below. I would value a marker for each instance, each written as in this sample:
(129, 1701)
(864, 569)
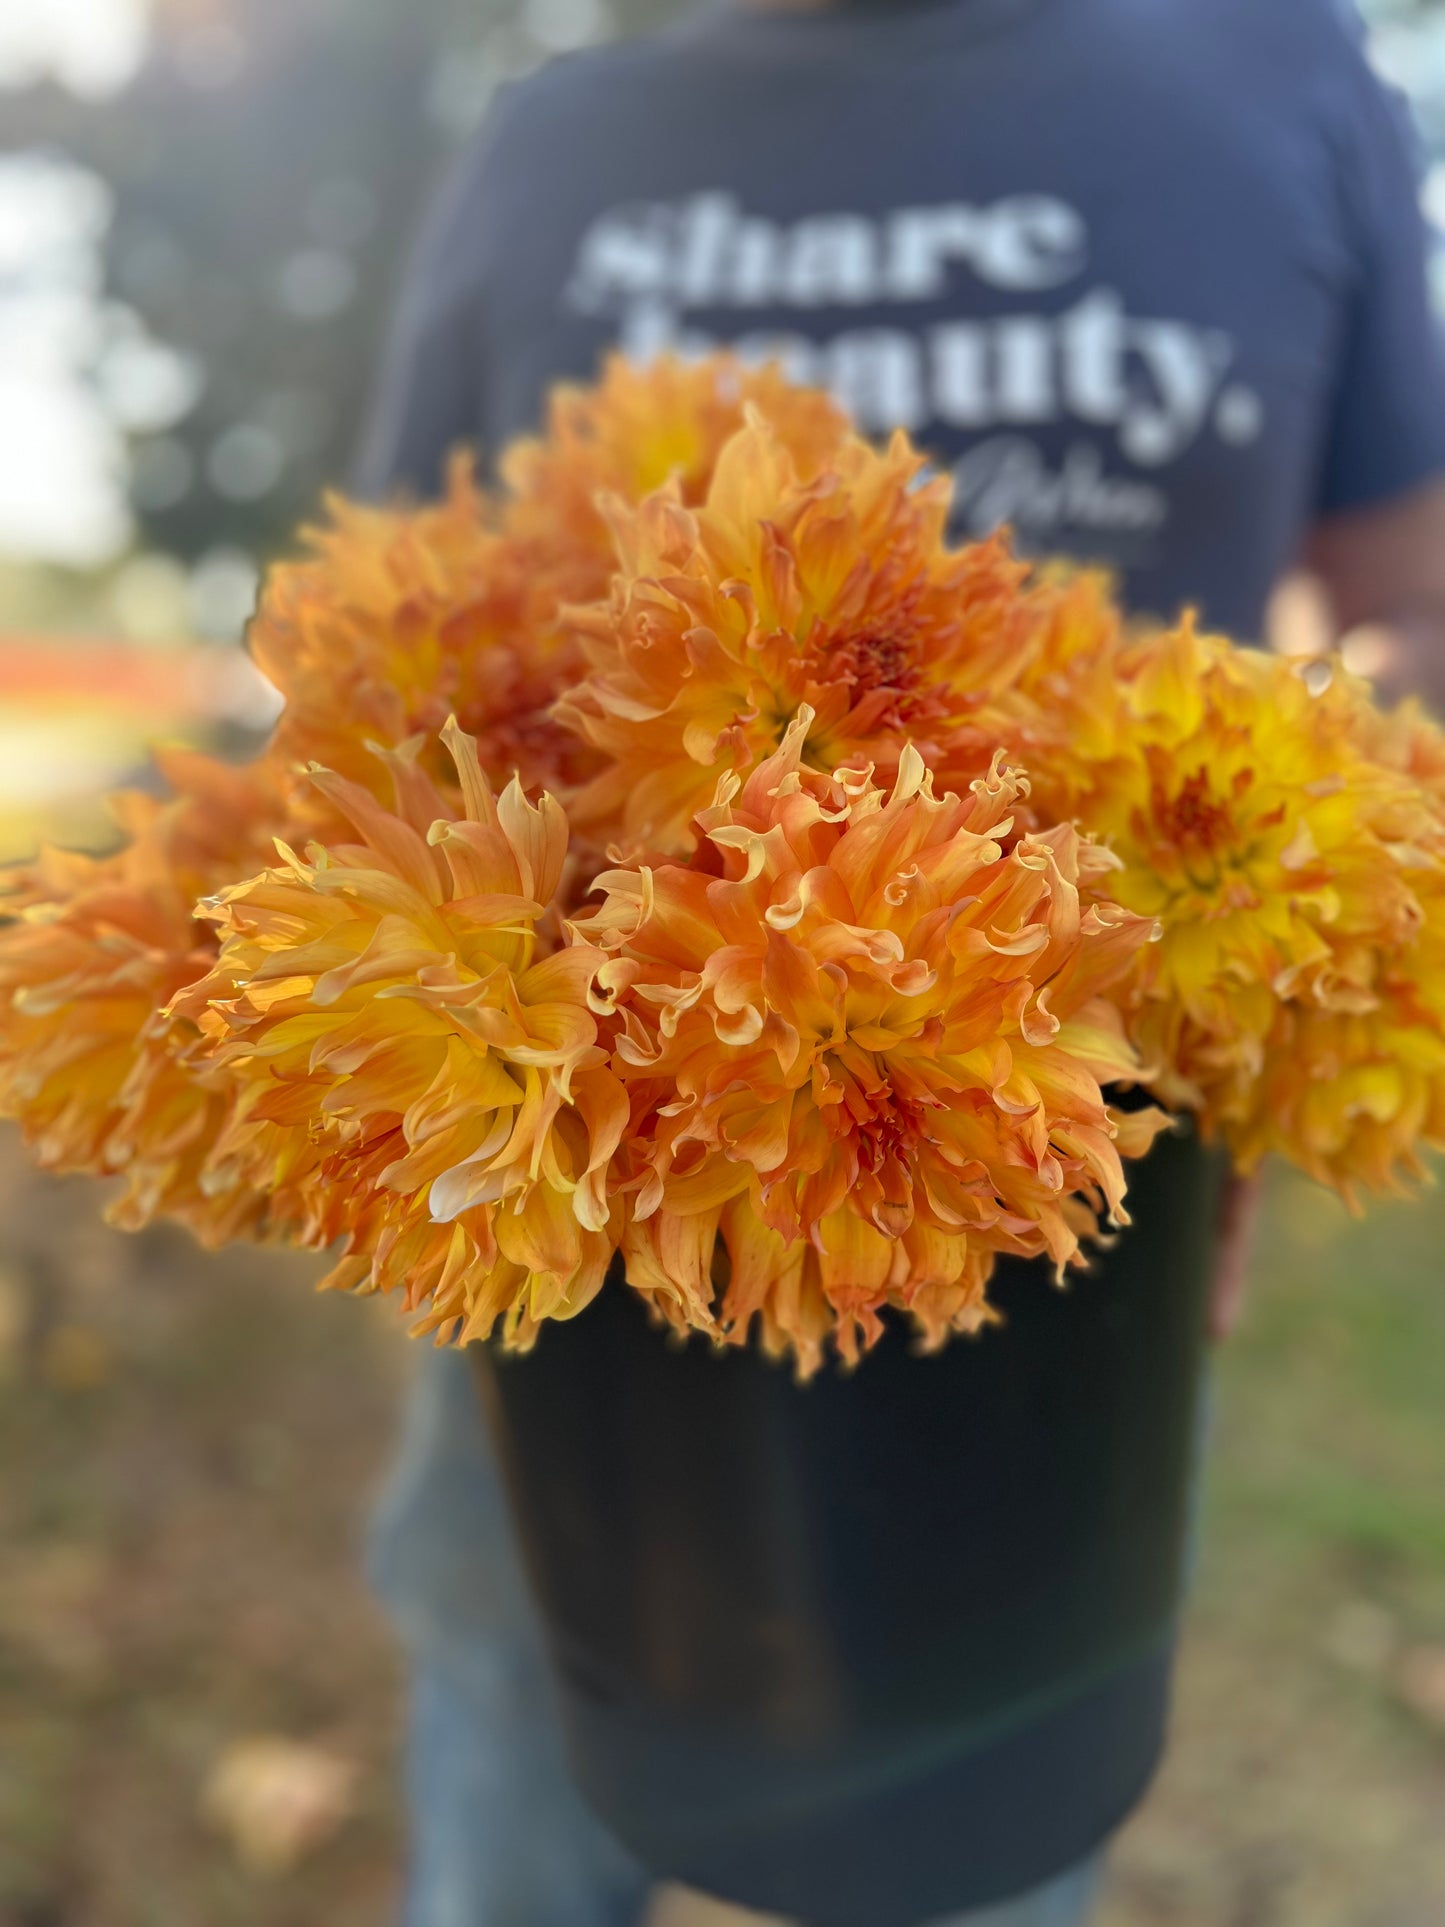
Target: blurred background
(204, 208)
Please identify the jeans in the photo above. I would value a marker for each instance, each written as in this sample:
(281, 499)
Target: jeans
(500, 1838)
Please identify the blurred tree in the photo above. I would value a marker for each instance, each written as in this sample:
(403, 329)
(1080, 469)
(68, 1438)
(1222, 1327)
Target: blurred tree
(267, 167)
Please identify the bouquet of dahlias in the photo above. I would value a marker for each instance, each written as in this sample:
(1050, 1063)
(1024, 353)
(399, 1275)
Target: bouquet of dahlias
(682, 851)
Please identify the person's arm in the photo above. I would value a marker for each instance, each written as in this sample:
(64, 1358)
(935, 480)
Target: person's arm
(1238, 1216)
(1382, 571)
(1377, 547)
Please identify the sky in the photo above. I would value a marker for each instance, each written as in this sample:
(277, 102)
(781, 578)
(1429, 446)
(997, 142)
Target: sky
(62, 457)
(91, 47)
(62, 460)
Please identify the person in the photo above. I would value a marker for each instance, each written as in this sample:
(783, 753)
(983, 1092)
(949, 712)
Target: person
(1148, 276)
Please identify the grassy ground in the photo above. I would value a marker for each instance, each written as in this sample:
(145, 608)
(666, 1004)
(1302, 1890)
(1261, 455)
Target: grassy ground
(189, 1444)
(1307, 1781)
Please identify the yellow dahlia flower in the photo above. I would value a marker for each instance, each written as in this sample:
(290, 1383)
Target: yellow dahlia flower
(1408, 740)
(95, 950)
(869, 1028)
(1348, 1097)
(1284, 864)
(1352, 1080)
(412, 1071)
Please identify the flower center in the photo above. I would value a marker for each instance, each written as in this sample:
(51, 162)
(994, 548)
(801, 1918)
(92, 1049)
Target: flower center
(1191, 819)
(888, 1132)
(872, 662)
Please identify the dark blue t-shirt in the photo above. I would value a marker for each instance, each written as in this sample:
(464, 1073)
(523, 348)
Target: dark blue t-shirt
(1147, 275)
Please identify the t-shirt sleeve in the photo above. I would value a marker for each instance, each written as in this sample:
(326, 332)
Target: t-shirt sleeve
(426, 404)
(429, 397)
(1387, 424)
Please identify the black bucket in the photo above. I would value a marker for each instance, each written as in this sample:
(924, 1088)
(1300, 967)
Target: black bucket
(893, 1643)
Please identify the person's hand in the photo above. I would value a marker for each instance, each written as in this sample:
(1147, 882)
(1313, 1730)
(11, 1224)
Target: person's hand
(1238, 1212)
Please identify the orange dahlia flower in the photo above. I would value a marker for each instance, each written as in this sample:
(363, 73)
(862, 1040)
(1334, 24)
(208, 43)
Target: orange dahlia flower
(1059, 713)
(837, 592)
(411, 1070)
(865, 1038)
(632, 432)
(95, 950)
(397, 619)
